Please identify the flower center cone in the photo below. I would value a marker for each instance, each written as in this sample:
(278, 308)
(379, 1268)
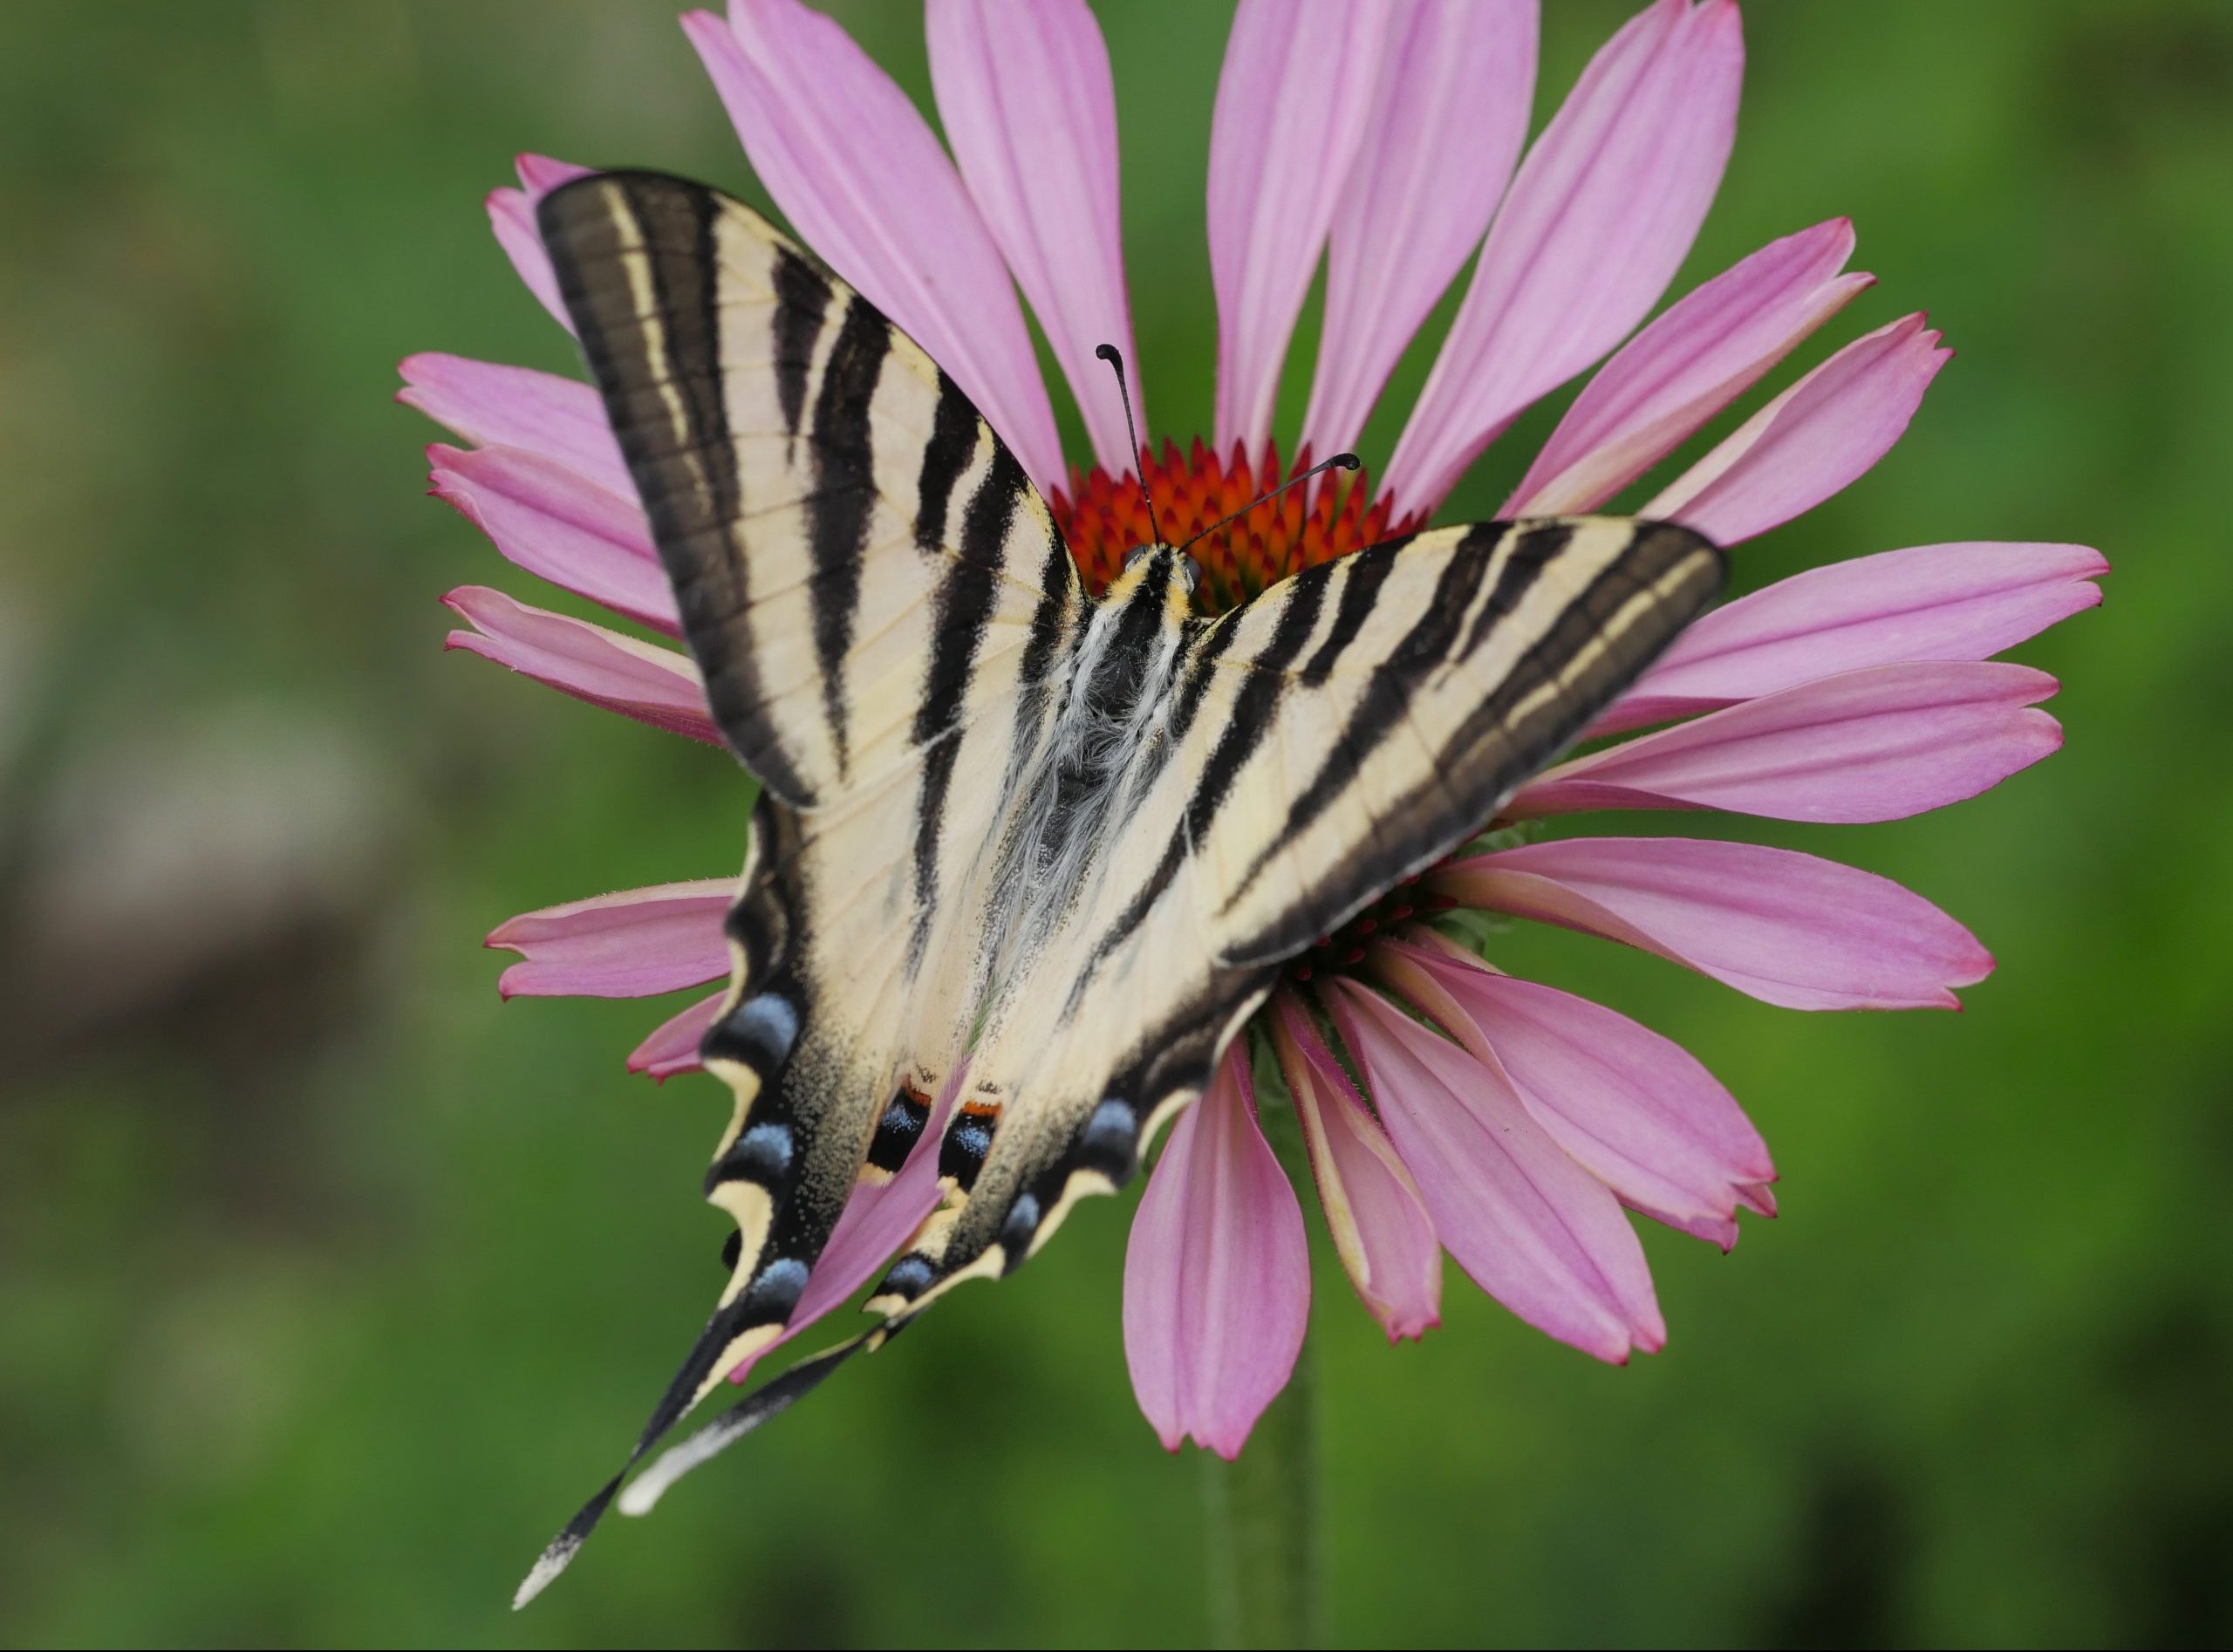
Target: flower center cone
(1103, 517)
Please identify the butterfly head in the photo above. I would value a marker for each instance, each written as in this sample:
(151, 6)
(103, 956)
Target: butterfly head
(1161, 575)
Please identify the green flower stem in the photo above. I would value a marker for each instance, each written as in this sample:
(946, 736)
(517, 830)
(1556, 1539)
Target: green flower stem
(1266, 1587)
(1267, 1553)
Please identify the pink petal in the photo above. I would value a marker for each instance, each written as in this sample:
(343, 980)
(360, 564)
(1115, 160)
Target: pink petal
(1955, 602)
(673, 1046)
(653, 684)
(511, 214)
(1448, 113)
(560, 418)
(1810, 442)
(1533, 1228)
(550, 520)
(858, 172)
(1293, 98)
(1635, 1109)
(1025, 94)
(1707, 350)
(1217, 1274)
(1874, 745)
(878, 1219)
(1594, 228)
(1380, 1226)
(1788, 928)
(634, 944)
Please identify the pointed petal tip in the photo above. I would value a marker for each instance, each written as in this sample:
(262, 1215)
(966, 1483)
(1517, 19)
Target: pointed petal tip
(446, 485)
(699, 23)
(539, 175)
(1401, 1331)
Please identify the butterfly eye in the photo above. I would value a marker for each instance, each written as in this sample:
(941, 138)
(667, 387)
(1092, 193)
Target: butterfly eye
(1133, 555)
(1190, 572)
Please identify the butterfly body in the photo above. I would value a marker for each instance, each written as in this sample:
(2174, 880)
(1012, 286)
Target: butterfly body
(1026, 855)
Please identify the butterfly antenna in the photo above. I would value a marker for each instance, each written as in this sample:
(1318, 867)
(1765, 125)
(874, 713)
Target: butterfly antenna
(1345, 461)
(1110, 354)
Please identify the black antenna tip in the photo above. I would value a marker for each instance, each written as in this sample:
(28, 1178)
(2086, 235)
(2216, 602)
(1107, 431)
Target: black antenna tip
(1346, 461)
(1108, 353)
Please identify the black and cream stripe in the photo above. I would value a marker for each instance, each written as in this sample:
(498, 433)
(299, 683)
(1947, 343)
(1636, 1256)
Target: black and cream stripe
(1041, 854)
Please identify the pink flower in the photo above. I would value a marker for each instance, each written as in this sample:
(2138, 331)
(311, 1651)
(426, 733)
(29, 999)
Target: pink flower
(1445, 1106)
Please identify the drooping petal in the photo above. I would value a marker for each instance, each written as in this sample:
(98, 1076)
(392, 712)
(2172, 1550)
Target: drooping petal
(1292, 100)
(549, 519)
(1708, 348)
(1379, 1226)
(1954, 602)
(1636, 1110)
(673, 1046)
(639, 680)
(1812, 441)
(1874, 745)
(501, 407)
(1217, 1273)
(1027, 99)
(1531, 1227)
(511, 214)
(1606, 205)
(1448, 113)
(878, 1219)
(858, 172)
(1788, 928)
(634, 944)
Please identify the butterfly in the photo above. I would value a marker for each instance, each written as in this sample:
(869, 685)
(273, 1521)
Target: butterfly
(1021, 858)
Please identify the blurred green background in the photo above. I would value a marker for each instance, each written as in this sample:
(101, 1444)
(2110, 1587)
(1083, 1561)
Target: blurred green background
(328, 1285)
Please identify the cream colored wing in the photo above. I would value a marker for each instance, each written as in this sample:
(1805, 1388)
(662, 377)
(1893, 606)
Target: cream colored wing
(881, 608)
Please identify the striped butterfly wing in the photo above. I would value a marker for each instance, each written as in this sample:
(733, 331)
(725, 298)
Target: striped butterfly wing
(1383, 708)
(880, 603)
(1342, 731)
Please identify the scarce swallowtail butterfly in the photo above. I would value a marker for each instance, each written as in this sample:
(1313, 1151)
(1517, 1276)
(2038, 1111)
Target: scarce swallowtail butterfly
(1045, 851)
